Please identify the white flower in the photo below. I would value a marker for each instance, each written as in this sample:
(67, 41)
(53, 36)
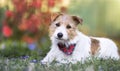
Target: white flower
(2, 46)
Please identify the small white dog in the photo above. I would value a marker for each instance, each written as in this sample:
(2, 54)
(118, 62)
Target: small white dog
(70, 45)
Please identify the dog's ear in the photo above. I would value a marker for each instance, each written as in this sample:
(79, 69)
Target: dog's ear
(54, 16)
(77, 20)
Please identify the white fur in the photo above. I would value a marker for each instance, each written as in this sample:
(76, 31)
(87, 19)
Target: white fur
(82, 51)
(62, 30)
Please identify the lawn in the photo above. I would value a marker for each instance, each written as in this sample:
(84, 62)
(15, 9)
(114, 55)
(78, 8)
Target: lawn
(17, 56)
(30, 64)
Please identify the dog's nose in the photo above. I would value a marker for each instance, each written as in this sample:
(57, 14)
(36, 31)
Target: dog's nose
(59, 35)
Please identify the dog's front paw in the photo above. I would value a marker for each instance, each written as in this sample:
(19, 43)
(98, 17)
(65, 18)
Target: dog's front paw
(43, 62)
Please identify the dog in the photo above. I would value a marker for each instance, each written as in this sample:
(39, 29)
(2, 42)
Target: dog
(69, 45)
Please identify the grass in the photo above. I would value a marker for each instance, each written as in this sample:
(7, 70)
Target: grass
(19, 58)
(28, 64)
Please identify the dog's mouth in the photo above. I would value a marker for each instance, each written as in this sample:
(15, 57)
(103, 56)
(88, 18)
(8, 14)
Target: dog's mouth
(68, 50)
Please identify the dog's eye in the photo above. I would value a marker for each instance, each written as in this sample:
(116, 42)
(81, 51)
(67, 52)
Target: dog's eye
(57, 24)
(68, 26)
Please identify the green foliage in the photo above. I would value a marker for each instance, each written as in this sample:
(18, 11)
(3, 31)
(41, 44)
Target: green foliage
(16, 49)
(44, 45)
(2, 10)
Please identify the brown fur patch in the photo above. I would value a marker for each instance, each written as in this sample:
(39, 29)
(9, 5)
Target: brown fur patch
(94, 46)
(77, 19)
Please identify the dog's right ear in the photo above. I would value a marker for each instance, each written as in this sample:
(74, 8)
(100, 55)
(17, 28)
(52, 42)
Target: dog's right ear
(54, 16)
(78, 20)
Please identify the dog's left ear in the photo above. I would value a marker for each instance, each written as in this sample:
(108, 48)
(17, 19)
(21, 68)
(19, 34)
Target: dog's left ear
(77, 20)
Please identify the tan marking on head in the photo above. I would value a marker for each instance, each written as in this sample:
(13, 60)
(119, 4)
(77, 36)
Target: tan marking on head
(66, 20)
(71, 32)
(51, 30)
(94, 46)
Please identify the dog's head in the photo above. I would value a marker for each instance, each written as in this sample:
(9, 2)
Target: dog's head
(63, 27)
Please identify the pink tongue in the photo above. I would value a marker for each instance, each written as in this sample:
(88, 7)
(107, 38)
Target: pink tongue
(68, 50)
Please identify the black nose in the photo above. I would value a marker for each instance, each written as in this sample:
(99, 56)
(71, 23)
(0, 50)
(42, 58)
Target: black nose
(59, 35)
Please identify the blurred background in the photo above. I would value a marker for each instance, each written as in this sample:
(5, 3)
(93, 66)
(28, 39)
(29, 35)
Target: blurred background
(24, 24)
